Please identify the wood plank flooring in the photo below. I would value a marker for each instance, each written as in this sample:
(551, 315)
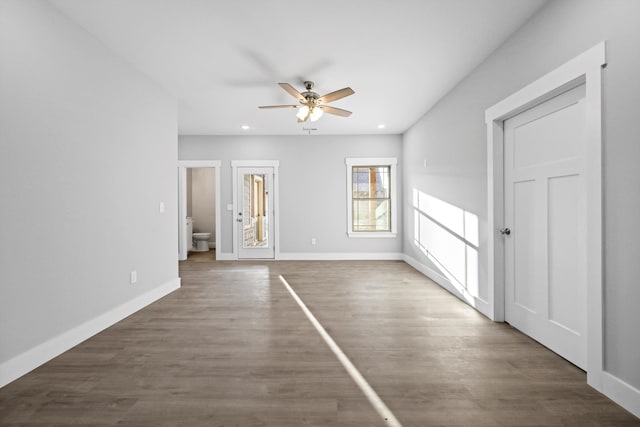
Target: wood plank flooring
(232, 348)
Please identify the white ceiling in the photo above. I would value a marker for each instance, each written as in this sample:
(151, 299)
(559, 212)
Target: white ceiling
(221, 59)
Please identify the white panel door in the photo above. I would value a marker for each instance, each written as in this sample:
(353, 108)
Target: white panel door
(255, 225)
(545, 202)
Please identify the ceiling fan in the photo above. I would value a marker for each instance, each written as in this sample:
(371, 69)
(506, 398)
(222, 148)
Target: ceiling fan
(313, 105)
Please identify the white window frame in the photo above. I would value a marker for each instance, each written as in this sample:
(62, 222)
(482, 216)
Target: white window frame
(392, 162)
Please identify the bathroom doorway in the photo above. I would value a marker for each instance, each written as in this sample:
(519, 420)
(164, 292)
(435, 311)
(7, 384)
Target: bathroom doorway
(198, 208)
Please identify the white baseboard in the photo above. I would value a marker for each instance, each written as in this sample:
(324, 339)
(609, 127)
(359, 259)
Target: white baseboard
(622, 393)
(429, 272)
(475, 302)
(324, 256)
(29, 360)
(225, 256)
(340, 256)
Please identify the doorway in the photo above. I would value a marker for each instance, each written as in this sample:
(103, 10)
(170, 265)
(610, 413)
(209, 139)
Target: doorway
(201, 215)
(255, 209)
(585, 69)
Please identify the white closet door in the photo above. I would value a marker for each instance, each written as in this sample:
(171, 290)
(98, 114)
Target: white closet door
(545, 281)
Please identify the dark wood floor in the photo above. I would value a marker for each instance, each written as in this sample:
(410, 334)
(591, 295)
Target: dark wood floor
(232, 348)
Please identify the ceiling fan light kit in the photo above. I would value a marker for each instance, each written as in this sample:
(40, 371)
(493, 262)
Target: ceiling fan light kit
(312, 105)
(303, 112)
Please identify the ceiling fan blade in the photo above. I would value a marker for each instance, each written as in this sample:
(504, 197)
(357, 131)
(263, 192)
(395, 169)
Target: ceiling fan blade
(335, 111)
(279, 106)
(292, 91)
(338, 94)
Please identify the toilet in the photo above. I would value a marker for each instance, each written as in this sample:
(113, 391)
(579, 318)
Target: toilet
(201, 241)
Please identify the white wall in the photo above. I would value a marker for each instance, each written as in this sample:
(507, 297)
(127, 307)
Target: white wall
(189, 201)
(203, 201)
(88, 150)
(452, 137)
(312, 185)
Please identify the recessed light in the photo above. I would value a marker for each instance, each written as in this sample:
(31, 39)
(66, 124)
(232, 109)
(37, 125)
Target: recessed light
(245, 127)
(381, 126)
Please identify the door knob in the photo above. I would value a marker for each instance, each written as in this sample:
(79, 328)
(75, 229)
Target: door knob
(505, 231)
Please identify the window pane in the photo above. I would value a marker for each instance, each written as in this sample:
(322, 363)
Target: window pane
(360, 180)
(371, 215)
(361, 190)
(382, 183)
(370, 182)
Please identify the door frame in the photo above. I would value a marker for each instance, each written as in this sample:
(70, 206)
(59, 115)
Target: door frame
(586, 69)
(275, 199)
(183, 165)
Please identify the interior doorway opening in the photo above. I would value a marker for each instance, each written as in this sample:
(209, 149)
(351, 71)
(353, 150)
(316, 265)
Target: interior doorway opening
(198, 209)
(201, 215)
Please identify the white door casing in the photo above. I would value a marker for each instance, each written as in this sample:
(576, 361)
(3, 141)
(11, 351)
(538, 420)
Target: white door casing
(545, 193)
(585, 68)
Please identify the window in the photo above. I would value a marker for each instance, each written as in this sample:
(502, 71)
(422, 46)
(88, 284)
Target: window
(371, 184)
(370, 198)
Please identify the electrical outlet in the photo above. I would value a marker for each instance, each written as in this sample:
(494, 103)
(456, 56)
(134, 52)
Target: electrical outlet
(313, 241)
(134, 277)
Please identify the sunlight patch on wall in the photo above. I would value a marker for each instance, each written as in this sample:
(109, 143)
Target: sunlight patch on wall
(449, 237)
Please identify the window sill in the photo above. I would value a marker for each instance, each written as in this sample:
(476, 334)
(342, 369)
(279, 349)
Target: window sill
(372, 235)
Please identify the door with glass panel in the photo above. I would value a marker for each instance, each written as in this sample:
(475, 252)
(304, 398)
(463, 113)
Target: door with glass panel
(255, 225)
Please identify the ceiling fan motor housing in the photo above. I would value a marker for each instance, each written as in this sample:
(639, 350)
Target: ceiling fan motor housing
(310, 97)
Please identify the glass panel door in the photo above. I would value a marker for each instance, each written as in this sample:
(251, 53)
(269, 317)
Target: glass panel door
(255, 213)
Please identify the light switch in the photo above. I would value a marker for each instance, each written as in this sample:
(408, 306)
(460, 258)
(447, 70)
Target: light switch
(161, 208)
(229, 207)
